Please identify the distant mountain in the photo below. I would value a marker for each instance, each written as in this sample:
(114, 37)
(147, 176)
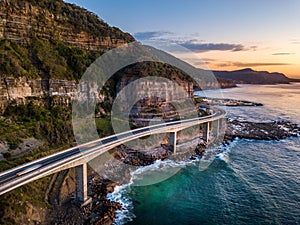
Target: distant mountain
(249, 76)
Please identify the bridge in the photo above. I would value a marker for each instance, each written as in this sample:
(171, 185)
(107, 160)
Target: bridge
(79, 156)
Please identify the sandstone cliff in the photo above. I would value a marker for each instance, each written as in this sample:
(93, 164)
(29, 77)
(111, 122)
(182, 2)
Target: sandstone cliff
(22, 90)
(55, 19)
(46, 46)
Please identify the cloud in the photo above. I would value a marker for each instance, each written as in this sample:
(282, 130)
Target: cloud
(295, 41)
(198, 62)
(204, 47)
(150, 35)
(283, 53)
(191, 42)
(202, 61)
(255, 64)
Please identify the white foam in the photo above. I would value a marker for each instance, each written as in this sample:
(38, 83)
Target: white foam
(225, 151)
(121, 193)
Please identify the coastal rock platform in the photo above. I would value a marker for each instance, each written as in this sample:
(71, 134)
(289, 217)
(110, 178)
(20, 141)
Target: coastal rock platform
(261, 131)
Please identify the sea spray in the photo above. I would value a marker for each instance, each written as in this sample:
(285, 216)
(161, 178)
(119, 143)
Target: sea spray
(225, 151)
(145, 175)
(121, 195)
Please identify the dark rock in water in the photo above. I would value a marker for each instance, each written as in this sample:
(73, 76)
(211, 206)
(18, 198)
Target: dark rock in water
(200, 149)
(229, 102)
(261, 131)
(103, 210)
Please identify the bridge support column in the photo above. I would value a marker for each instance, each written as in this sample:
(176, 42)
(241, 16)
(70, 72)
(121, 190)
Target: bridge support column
(173, 140)
(206, 131)
(81, 183)
(216, 127)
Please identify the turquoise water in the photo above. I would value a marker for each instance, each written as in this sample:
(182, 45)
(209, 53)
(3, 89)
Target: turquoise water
(253, 182)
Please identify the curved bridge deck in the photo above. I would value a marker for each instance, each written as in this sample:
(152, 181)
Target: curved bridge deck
(79, 156)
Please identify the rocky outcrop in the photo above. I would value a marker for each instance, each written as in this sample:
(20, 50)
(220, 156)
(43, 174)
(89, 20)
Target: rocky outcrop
(153, 71)
(100, 211)
(261, 131)
(227, 102)
(141, 158)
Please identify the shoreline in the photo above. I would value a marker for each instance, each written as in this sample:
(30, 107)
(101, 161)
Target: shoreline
(108, 205)
(277, 130)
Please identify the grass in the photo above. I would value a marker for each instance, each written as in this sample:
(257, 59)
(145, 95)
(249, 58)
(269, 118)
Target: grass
(15, 203)
(104, 127)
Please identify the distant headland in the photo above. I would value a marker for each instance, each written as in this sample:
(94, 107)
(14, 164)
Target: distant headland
(250, 76)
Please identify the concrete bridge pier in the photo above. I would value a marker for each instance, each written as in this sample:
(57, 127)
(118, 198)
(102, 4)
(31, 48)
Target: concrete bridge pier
(81, 183)
(216, 127)
(173, 141)
(206, 131)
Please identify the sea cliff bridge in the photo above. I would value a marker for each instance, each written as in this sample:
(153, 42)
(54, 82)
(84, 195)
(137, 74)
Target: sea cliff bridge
(79, 156)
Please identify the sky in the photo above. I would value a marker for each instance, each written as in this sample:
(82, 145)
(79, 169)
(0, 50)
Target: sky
(225, 34)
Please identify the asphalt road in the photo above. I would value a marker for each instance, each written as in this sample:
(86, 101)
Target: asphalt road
(26, 173)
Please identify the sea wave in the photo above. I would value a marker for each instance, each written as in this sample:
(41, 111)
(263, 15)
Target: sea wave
(121, 193)
(224, 153)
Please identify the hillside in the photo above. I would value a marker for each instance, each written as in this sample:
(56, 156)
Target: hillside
(45, 48)
(249, 76)
(57, 20)
(52, 39)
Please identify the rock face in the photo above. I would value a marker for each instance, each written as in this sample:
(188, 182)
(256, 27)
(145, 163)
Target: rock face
(249, 76)
(45, 47)
(154, 70)
(22, 90)
(151, 87)
(55, 19)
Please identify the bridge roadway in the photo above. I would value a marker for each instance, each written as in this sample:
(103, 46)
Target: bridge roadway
(79, 156)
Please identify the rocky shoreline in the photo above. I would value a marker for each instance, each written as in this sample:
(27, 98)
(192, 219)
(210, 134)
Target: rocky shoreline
(102, 211)
(275, 130)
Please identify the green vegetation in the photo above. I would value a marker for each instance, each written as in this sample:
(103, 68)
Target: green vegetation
(50, 123)
(17, 202)
(53, 125)
(82, 20)
(104, 126)
(45, 59)
(158, 69)
(198, 100)
(15, 60)
(37, 57)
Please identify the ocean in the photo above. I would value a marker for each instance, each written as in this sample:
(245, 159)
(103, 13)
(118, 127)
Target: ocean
(251, 182)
